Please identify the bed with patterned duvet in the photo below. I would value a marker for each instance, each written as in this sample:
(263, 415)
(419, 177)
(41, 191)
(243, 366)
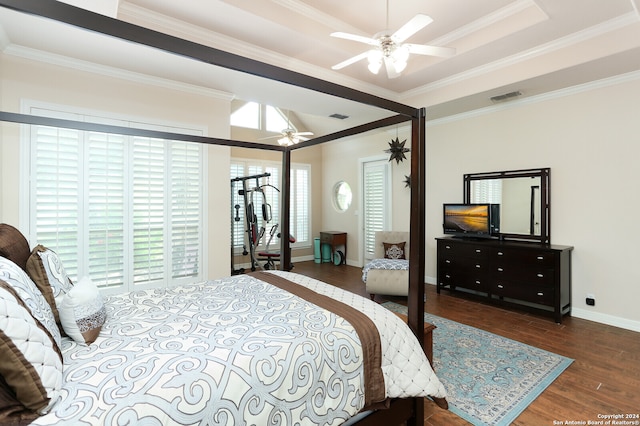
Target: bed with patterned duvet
(264, 348)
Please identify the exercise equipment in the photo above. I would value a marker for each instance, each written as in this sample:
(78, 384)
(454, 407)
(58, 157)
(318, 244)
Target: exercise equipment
(273, 256)
(258, 215)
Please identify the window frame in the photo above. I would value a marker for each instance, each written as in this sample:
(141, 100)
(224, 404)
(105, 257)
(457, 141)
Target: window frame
(103, 117)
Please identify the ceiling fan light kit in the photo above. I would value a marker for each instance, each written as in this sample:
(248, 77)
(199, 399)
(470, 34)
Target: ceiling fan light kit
(389, 48)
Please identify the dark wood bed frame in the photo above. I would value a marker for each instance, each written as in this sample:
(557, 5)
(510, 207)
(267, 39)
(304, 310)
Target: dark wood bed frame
(402, 410)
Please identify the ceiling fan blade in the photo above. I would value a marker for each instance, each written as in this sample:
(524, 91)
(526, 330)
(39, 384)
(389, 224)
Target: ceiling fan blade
(350, 61)
(414, 25)
(303, 133)
(391, 71)
(354, 37)
(302, 138)
(423, 49)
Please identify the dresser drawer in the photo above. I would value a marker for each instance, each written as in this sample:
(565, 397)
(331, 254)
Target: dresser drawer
(450, 249)
(525, 274)
(542, 295)
(463, 278)
(537, 258)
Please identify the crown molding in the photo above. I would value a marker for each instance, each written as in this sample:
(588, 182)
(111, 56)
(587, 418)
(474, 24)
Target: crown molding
(556, 94)
(80, 65)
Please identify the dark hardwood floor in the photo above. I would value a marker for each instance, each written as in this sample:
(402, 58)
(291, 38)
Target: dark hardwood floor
(603, 380)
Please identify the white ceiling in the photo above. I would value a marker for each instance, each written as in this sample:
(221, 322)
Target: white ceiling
(531, 46)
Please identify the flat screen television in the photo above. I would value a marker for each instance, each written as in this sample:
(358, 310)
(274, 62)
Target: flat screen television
(471, 220)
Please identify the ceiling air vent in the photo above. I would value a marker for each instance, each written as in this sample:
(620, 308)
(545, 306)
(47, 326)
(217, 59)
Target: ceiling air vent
(506, 96)
(339, 116)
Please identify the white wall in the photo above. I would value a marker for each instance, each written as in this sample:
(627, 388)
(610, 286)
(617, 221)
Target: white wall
(136, 96)
(590, 138)
(341, 162)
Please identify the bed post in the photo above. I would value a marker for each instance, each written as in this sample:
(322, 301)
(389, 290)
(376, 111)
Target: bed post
(417, 225)
(415, 301)
(285, 193)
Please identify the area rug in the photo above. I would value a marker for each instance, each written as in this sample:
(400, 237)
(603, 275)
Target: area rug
(489, 379)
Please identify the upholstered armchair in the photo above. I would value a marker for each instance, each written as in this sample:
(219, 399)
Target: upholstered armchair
(388, 272)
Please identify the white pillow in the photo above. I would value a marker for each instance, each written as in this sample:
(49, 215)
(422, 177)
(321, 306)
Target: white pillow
(82, 311)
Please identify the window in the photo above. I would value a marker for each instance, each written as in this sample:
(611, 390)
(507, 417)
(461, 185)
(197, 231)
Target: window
(257, 116)
(126, 211)
(300, 217)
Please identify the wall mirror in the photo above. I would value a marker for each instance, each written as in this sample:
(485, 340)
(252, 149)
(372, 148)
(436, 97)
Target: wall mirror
(342, 196)
(524, 201)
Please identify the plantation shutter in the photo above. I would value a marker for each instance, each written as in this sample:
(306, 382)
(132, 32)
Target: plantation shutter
(486, 191)
(186, 210)
(105, 186)
(126, 211)
(55, 197)
(300, 210)
(375, 200)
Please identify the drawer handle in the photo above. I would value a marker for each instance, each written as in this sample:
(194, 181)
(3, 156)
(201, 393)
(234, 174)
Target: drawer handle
(447, 261)
(478, 282)
(500, 253)
(540, 275)
(447, 247)
(540, 293)
(478, 266)
(500, 270)
(540, 257)
(500, 286)
(447, 276)
(478, 251)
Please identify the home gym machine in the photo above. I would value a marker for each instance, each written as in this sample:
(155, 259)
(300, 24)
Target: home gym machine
(254, 198)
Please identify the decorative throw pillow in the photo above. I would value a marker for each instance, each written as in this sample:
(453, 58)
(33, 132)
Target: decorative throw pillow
(45, 269)
(394, 250)
(32, 297)
(31, 364)
(82, 312)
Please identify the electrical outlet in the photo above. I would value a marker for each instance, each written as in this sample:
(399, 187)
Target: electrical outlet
(590, 300)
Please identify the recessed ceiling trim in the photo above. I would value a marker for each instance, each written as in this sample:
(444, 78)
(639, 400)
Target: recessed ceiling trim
(488, 21)
(166, 24)
(604, 28)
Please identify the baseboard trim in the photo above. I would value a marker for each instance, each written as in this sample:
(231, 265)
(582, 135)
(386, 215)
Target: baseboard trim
(607, 319)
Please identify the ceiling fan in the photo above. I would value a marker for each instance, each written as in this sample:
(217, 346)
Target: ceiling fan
(289, 136)
(390, 49)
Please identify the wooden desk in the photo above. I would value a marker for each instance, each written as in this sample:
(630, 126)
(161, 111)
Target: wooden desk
(334, 239)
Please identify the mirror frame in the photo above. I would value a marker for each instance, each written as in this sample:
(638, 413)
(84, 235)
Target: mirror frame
(545, 200)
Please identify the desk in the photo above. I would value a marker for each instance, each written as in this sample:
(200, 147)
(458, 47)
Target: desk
(334, 239)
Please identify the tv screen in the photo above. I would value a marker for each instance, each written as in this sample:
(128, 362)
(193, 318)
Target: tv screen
(481, 220)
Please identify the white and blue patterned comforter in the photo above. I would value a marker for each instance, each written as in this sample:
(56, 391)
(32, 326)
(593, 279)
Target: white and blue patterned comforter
(234, 351)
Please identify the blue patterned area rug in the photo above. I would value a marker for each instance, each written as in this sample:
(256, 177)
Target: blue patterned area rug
(489, 379)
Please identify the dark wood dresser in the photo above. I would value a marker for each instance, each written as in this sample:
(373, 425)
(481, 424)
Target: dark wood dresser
(533, 274)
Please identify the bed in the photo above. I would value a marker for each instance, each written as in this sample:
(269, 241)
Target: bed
(270, 347)
(410, 409)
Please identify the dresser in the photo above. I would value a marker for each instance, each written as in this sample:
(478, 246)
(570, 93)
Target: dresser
(532, 274)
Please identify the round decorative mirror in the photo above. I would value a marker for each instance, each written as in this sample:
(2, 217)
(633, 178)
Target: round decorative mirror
(342, 196)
